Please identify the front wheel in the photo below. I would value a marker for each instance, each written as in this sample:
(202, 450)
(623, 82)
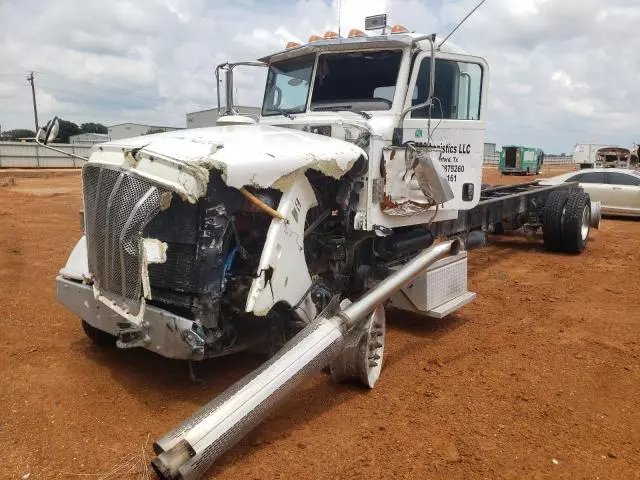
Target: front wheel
(97, 336)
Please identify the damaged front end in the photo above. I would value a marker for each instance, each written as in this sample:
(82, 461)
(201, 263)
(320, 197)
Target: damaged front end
(181, 263)
(149, 248)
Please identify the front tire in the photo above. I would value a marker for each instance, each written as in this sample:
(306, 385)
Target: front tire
(98, 337)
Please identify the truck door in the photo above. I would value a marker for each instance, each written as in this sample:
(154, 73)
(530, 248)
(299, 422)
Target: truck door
(510, 157)
(457, 122)
(529, 161)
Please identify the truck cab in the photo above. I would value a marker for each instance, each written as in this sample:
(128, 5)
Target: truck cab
(198, 243)
(372, 91)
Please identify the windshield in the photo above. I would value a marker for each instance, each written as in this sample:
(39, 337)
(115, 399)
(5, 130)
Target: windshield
(287, 88)
(356, 81)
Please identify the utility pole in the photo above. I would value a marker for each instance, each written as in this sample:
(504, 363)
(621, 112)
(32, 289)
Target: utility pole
(33, 94)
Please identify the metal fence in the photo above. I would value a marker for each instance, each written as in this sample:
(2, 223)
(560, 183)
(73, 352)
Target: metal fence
(31, 155)
(548, 159)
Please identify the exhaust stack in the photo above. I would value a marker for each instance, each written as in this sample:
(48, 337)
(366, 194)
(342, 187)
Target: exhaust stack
(188, 451)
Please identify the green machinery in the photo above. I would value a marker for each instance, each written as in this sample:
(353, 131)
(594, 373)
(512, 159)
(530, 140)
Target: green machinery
(520, 160)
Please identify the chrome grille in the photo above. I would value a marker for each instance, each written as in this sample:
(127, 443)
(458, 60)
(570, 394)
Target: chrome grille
(117, 208)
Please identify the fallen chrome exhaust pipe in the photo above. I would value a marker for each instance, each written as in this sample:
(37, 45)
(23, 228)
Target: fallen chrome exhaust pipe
(188, 451)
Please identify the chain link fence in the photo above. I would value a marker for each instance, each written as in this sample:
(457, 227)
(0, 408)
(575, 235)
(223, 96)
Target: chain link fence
(548, 159)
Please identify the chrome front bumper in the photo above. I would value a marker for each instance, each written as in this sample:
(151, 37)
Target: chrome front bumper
(161, 332)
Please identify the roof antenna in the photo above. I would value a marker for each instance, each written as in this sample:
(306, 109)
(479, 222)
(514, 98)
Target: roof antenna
(339, 15)
(460, 23)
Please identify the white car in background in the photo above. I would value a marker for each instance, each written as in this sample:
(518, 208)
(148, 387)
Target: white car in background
(617, 189)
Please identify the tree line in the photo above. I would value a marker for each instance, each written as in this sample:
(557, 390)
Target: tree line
(67, 129)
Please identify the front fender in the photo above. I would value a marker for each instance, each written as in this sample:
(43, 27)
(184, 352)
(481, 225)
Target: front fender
(283, 275)
(77, 266)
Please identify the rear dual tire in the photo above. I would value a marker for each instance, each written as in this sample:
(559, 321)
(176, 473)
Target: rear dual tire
(577, 223)
(565, 222)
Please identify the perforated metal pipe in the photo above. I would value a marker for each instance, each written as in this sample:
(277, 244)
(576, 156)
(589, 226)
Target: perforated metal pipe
(188, 451)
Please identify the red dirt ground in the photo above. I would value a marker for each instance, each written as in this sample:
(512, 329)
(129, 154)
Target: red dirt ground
(537, 378)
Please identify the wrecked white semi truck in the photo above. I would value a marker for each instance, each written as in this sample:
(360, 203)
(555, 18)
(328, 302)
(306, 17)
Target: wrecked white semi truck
(352, 191)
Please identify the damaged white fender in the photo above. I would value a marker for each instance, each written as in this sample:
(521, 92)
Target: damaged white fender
(77, 266)
(283, 275)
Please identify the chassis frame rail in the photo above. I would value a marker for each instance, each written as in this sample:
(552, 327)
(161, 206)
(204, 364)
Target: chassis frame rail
(506, 204)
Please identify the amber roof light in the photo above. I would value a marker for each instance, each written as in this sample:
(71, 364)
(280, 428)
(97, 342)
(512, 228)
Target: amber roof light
(399, 29)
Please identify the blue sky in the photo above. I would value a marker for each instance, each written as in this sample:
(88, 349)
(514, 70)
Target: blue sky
(562, 71)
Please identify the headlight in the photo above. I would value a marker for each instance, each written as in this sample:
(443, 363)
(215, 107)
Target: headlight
(320, 130)
(357, 135)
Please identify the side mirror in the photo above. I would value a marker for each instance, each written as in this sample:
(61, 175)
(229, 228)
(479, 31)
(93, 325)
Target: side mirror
(49, 132)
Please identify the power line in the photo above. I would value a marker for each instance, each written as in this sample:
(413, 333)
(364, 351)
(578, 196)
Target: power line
(102, 89)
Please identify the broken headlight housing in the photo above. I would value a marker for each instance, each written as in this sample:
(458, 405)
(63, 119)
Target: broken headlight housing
(357, 135)
(348, 132)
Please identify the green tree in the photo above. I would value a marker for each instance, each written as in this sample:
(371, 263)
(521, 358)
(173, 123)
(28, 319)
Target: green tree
(17, 134)
(93, 128)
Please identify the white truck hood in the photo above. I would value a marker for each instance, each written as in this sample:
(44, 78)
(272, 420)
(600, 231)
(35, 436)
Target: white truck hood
(248, 155)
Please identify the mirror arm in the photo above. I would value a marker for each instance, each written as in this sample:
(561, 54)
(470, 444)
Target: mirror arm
(228, 68)
(397, 135)
(60, 151)
(47, 132)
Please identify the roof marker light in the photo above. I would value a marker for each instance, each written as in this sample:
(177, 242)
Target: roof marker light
(314, 38)
(399, 29)
(293, 45)
(331, 35)
(355, 33)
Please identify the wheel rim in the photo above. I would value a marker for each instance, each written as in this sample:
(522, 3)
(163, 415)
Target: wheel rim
(586, 217)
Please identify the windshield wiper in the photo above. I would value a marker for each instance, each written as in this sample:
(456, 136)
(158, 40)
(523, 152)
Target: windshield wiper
(340, 108)
(286, 114)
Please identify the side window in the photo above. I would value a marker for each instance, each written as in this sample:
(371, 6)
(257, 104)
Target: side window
(595, 177)
(575, 178)
(385, 92)
(616, 178)
(458, 87)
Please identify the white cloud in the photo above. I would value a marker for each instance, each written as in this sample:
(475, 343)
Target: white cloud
(524, 8)
(183, 16)
(558, 74)
(580, 107)
(564, 80)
